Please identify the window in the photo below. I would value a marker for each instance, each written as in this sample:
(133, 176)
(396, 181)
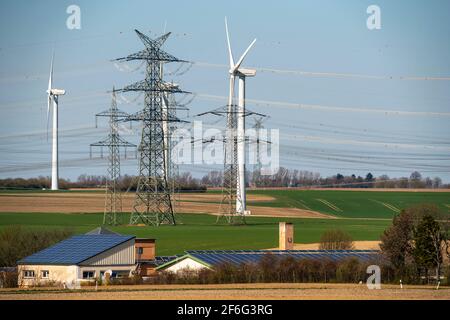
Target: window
(88, 274)
(45, 273)
(28, 273)
(120, 274)
(140, 250)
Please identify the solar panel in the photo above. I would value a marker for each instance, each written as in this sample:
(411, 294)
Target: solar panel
(237, 257)
(76, 249)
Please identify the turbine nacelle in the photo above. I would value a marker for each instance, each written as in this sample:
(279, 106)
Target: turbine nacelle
(246, 72)
(56, 92)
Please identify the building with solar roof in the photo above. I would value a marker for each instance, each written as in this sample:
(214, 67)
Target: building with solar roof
(98, 254)
(196, 260)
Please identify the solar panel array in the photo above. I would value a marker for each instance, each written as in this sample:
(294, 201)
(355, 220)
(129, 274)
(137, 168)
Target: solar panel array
(158, 261)
(76, 249)
(238, 257)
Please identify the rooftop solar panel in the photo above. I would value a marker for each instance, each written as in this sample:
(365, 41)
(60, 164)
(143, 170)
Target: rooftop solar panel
(76, 249)
(237, 257)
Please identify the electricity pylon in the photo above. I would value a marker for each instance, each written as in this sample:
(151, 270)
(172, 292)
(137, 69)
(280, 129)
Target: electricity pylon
(153, 203)
(227, 209)
(113, 197)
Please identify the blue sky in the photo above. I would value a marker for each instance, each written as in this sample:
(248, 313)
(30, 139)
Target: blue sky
(315, 36)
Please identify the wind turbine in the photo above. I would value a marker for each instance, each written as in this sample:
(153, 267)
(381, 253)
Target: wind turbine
(241, 73)
(53, 95)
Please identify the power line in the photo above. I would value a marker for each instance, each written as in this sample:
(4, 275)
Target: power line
(341, 75)
(291, 105)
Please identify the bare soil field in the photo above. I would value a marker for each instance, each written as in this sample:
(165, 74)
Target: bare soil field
(214, 209)
(358, 245)
(94, 203)
(272, 291)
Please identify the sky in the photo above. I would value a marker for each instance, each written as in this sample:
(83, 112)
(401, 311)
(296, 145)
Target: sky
(344, 98)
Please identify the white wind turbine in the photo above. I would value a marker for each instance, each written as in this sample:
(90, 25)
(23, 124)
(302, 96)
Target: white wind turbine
(53, 95)
(241, 73)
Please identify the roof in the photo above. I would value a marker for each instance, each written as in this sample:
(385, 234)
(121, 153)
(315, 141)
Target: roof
(76, 249)
(158, 261)
(216, 257)
(101, 230)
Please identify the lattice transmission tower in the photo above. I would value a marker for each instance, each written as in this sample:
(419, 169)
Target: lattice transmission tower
(227, 209)
(154, 196)
(113, 197)
(170, 107)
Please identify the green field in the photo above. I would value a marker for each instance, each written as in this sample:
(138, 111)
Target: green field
(364, 215)
(353, 204)
(201, 232)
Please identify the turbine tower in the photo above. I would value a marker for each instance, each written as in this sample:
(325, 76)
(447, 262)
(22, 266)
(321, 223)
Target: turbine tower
(236, 71)
(52, 99)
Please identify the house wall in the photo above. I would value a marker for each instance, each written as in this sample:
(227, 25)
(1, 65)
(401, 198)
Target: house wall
(184, 264)
(57, 275)
(68, 275)
(148, 247)
(98, 269)
(122, 254)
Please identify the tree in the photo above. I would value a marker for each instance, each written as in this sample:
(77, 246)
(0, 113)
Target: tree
(396, 242)
(369, 179)
(415, 176)
(415, 180)
(437, 182)
(17, 242)
(429, 244)
(336, 240)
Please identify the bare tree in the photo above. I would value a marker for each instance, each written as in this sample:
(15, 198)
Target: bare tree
(336, 240)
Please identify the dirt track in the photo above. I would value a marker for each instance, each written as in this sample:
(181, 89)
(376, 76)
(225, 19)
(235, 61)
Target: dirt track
(274, 291)
(83, 202)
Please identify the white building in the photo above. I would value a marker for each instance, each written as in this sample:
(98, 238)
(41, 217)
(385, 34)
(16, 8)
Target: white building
(78, 259)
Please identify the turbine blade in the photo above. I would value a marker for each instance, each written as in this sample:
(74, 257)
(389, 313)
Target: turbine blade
(50, 79)
(238, 64)
(230, 53)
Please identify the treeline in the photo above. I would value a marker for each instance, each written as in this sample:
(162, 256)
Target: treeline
(185, 182)
(298, 178)
(41, 182)
(17, 242)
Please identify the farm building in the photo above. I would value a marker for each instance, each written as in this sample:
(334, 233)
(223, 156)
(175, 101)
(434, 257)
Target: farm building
(97, 254)
(197, 260)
